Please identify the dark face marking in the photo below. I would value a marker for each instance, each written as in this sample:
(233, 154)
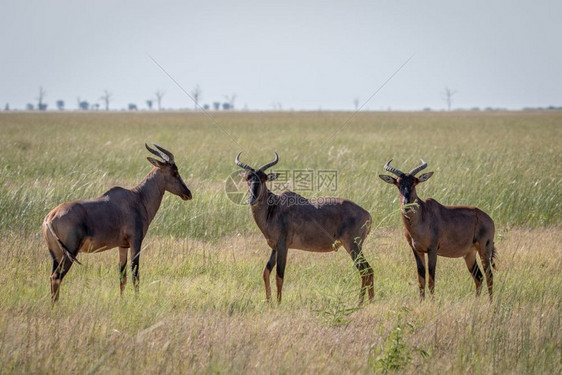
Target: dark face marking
(406, 186)
(254, 179)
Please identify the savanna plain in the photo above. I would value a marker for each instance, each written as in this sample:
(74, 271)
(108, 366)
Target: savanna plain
(201, 306)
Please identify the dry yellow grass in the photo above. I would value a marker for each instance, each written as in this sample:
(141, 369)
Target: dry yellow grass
(201, 310)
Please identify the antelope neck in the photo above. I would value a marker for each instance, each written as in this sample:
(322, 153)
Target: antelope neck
(413, 215)
(151, 191)
(262, 207)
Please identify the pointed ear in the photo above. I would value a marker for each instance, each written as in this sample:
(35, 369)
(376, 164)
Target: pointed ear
(425, 176)
(388, 179)
(272, 176)
(155, 162)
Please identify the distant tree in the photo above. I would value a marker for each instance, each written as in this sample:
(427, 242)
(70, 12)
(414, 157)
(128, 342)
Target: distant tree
(159, 95)
(29, 107)
(106, 98)
(149, 104)
(206, 107)
(95, 106)
(83, 105)
(448, 97)
(132, 107)
(356, 103)
(226, 106)
(230, 100)
(60, 105)
(196, 95)
(7, 107)
(40, 105)
(216, 106)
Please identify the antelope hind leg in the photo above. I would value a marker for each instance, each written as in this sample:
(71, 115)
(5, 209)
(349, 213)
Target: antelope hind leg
(472, 265)
(122, 268)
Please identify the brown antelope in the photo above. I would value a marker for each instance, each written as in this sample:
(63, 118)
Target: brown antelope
(320, 225)
(448, 231)
(119, 218)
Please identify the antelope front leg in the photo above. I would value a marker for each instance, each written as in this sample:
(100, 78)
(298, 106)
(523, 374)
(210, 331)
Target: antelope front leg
(431, 265)
(267, 272)
(420, 262)
(135, 257)
(281, 261)
(122, 268)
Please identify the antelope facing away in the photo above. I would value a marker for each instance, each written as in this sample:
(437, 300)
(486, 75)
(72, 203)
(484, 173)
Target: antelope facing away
(449, 231)
(319, 225)
(119, 218)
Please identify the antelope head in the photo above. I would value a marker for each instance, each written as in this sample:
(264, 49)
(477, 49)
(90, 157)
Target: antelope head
(256, 178)
(173, 182)
(406, 182)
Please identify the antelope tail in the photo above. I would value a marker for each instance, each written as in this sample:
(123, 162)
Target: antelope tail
(492, 258)
(64, 249)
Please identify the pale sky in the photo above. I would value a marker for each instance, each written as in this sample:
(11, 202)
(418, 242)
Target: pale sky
(291, 54)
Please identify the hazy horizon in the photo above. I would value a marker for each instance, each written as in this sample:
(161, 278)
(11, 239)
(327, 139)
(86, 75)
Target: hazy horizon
(290, 56)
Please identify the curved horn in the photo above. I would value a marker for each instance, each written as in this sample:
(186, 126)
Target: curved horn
(166, 152)
(390, 169)
(418, 168)
(242, 165)
(271, 163)
(154, 152)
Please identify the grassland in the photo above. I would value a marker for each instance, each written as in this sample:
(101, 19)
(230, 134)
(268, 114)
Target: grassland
(201, 308)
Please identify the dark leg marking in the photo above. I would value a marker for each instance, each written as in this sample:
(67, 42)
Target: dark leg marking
(267, 272)
(420, 263)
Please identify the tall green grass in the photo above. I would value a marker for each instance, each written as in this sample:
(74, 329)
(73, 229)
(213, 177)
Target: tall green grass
(508, 164)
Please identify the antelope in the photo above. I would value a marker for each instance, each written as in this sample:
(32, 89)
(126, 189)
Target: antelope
(119, 218)
(318, 225)
(449, 231)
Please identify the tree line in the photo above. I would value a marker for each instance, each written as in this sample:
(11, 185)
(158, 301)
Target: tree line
(154, 103)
